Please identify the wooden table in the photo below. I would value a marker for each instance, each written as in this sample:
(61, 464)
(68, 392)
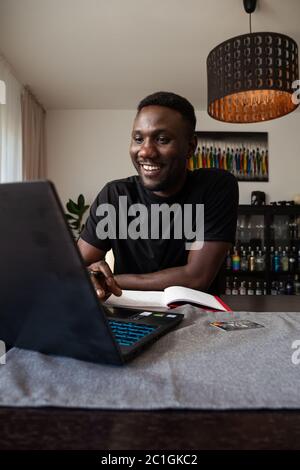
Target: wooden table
(61, 428)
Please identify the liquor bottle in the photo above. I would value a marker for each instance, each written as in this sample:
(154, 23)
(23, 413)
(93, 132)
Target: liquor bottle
(251, 263)
(292, 260)
(284, 262)
(289, 288)
(258, 289)
(296, 285)
(228, 287)
(260, 264)
(228, 261)
(272, 258)
(236, 261)
(250, 290)
(265, 288)
(274, 290)
(243, 290)
(244, 261)
(298, 261)
(235, 289)
(281, 288)
(276, 262)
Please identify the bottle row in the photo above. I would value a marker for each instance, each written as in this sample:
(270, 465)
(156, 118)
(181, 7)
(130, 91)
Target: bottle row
(236, 287)
(289, 287)
(248, 260)
(281, 228)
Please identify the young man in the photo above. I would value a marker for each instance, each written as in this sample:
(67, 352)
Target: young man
(162, 140)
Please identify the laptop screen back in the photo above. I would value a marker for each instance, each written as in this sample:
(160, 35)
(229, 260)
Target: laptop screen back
(47, 302)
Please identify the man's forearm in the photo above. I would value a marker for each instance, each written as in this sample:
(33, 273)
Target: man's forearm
(179, 276)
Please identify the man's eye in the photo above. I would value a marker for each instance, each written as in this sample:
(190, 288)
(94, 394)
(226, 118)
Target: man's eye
(138, 139)
(163, 140)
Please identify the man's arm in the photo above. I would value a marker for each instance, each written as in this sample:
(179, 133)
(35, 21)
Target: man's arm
(199, 272)
(90, 253)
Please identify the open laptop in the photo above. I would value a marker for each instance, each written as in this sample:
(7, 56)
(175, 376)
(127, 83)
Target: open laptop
(47, 300)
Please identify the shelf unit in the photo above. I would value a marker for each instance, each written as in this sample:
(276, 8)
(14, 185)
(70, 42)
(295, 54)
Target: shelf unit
(267, 226)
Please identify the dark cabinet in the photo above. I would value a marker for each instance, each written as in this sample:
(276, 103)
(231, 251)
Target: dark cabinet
(266, 256)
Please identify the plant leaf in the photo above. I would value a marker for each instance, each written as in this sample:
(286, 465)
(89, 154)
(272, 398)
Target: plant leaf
(70, 217)
(72, 207)
(80, 201)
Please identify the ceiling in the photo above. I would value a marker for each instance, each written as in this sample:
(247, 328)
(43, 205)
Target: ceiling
(108, 54)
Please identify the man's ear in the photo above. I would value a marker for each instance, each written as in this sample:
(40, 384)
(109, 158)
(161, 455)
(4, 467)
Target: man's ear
(192, 145)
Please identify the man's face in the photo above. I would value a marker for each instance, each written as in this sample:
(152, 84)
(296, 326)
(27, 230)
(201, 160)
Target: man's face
(159, 148)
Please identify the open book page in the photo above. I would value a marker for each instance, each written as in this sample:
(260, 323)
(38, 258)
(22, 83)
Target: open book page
(184, 294)
(138, 299)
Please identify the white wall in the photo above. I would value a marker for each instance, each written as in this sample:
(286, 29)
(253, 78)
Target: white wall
(87, 148)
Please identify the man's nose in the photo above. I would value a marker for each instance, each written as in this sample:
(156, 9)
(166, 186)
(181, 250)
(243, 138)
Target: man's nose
(148, 149)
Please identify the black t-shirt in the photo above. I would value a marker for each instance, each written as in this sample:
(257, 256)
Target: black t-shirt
(216, 189)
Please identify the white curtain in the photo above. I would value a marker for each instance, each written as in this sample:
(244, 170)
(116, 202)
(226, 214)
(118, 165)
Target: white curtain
(10, 127)
(33, 137)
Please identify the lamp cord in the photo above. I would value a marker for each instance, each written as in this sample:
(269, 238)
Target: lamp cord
(250, 25)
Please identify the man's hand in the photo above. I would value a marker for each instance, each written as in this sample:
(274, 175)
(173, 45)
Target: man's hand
(103, 280)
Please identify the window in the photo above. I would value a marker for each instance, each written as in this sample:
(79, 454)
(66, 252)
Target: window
(10, 126)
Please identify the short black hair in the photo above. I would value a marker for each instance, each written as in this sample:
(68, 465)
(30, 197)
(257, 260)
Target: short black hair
(173, 101)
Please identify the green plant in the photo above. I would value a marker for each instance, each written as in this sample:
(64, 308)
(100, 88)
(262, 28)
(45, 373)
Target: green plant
(76, 211)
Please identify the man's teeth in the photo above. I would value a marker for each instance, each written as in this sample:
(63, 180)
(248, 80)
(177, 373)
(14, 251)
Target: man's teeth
(150, 167)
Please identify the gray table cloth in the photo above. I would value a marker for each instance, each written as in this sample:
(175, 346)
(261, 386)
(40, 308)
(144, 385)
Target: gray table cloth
(195, 366)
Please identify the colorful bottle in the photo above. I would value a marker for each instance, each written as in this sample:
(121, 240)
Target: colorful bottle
(236, 261)
(276, 262)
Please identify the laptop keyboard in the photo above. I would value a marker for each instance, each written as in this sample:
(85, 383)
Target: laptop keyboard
(128, 333)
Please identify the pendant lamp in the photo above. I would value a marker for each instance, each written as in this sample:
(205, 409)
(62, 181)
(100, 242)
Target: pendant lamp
(250, 77)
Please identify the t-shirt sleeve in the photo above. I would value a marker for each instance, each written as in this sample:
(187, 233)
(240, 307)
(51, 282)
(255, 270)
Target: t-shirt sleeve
(221, 208)
(89, 233)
